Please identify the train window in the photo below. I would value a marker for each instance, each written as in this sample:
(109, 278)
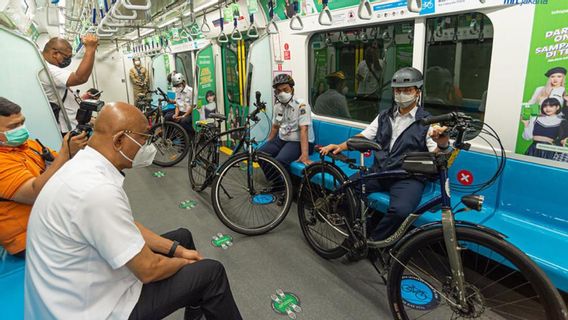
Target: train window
(351, 69)
(457, 62)
(184, 66)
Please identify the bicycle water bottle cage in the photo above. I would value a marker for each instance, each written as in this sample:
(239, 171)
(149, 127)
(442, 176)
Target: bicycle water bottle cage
(362, 144)
(365, 12)
(420, 163)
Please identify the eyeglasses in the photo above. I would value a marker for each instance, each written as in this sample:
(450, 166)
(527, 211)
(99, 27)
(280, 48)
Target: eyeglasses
(405, 90)
(145, 135)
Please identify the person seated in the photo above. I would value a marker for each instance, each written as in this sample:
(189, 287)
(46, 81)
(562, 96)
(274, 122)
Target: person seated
(398, 131)
(88, 258)
(183, 104)
(25, 166)
(332, 102)
(291, 137)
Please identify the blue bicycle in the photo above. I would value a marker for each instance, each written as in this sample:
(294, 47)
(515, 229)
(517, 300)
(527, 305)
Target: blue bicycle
(473, 270)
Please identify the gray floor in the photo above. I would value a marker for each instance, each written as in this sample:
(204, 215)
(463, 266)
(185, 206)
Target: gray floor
(257, 266)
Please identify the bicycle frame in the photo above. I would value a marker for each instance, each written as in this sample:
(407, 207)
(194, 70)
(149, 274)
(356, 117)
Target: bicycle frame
(443, 200)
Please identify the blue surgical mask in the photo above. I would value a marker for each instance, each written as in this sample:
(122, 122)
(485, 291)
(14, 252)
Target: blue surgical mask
(17, 136)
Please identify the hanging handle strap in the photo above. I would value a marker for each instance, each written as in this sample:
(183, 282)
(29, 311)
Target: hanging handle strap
(236, 35)
(296, 22)
(252, 31)
(205, 28)
(222, 38)
(365, 12)
(325, 18)
(414, 5)
(271, 27)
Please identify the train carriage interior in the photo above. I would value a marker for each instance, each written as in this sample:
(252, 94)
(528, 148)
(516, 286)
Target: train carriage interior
(331, 159)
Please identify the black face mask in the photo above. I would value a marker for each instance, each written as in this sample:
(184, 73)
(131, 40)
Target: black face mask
(65, 63)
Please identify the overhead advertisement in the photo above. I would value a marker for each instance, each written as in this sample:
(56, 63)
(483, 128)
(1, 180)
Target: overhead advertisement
(543, 127)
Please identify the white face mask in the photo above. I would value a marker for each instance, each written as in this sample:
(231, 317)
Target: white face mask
(404, 100)
(137, 63)
(284, 97)
(144, 156)
(345, 90)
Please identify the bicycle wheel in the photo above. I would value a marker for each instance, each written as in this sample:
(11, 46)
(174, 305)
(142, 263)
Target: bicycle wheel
(324, 216)
(251, 199)
(202, 166)
(172, 142)
(501, 282)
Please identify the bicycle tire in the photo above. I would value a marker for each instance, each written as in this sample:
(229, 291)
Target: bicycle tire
(552, 303)
(306, 199)
(202, 165)
(171, 129)
(222, 210)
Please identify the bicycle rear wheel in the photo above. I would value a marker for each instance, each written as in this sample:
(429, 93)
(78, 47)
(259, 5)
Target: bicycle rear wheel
(324, 216)
(501, 282)
(249, 199)
(201, 167)
(172, 143)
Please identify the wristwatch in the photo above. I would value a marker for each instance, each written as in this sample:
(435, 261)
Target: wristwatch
(175, 244)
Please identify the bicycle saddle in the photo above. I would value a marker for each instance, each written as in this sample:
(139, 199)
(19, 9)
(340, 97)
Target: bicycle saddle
(362, 144)
(217, 116)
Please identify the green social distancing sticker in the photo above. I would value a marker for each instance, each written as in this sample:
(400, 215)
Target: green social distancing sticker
(188, 204)
(223, 241)
(159, 174)
(286, 303)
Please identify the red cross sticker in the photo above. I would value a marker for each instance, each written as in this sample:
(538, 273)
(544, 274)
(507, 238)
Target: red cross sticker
(465, 177)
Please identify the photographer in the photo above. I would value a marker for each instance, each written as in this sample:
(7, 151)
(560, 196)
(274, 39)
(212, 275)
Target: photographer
(25, 166)
(102, 264)
(58, 53)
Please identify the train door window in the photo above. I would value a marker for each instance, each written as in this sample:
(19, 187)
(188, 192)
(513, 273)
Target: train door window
(184, 66)
(457, 63)
(350, 69)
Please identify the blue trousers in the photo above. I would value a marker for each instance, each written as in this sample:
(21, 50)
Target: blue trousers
(405, 197)
(285, 152)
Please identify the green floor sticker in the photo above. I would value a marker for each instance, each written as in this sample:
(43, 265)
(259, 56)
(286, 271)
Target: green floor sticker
(223, 241)
(286, 303)
(159, 174)
(188, 204)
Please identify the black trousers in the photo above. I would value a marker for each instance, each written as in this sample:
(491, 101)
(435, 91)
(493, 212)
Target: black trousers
(186, 123)
(202, 284)
(405, 197)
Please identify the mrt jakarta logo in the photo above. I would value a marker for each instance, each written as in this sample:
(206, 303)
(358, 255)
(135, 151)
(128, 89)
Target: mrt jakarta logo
(522, 2)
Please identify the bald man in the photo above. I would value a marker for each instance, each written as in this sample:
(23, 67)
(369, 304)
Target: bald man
(58, 53)
(88, 258)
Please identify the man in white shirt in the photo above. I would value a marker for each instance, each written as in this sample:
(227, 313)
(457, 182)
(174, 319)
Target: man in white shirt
(88, 259)
(369, 72)
(398, 131)
(184, 104)
(332, 102)
(58, 53)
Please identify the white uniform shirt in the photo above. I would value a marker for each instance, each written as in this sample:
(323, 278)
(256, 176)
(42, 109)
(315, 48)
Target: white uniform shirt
(81, 233)
(369, 84)
(399, 124)
(184, 99)
(290, 117)
(60, 76)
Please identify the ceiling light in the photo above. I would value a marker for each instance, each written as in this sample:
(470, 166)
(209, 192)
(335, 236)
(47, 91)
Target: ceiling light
(201, 7)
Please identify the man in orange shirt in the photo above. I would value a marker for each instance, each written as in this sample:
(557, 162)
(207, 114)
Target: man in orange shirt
(25, 167)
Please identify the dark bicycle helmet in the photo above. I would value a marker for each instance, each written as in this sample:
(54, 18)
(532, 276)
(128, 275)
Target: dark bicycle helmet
(282, 79)
(407, 77)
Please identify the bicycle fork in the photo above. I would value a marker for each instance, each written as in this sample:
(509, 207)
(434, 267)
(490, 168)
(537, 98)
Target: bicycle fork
(451, 241)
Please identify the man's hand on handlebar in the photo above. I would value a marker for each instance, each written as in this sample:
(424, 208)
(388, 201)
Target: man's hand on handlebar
(437, 134)
(334, 148)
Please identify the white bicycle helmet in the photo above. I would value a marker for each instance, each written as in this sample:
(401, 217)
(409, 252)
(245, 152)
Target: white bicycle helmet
(177, 78)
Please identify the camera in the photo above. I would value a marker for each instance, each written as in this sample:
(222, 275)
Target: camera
(84, 114)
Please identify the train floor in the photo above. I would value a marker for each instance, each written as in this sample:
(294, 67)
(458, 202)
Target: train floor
(258, 266)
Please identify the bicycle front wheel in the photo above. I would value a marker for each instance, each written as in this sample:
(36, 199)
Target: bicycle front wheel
(171, 141)
(324, 215)
(501, 282)
(252, 197)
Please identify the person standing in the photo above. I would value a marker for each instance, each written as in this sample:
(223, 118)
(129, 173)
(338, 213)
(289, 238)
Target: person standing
(139, 78)
(58, 53)
(332, 102)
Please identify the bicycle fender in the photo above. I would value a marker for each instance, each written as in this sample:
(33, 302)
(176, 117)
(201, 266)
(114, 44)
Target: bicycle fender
(313, 164)
(438, 224)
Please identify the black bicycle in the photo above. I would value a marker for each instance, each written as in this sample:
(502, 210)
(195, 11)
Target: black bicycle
(251, 191)
(171, 139)
(463, 270)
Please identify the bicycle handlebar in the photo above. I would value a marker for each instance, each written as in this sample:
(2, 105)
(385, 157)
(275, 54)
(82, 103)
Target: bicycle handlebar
(339, 156)
(162, 93)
